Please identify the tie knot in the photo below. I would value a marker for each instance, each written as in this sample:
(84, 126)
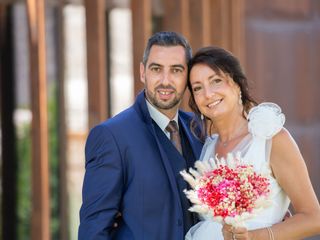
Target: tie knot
(172, 127)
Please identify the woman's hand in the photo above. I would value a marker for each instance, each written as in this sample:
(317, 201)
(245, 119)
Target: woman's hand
(231, 233)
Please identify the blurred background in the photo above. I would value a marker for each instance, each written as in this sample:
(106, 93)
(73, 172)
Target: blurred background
(68, 65)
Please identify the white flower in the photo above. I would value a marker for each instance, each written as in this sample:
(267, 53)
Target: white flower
(265, 120)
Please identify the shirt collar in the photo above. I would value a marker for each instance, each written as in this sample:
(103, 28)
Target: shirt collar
(161, 120)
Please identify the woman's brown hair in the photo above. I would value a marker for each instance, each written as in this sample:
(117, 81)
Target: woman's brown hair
(218, 59)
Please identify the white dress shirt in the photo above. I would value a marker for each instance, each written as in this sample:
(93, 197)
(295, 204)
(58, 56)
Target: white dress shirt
(161, 120)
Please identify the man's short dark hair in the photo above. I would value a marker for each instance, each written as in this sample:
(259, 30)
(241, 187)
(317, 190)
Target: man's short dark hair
(167, 39)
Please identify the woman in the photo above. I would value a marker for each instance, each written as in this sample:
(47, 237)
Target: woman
(220, 98)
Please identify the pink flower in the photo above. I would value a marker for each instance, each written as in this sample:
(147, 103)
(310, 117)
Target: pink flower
(227, 192)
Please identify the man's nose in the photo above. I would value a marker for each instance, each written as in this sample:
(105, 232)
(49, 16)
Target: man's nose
(165, 78)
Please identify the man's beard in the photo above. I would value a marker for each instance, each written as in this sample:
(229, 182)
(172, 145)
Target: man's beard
(165, 105)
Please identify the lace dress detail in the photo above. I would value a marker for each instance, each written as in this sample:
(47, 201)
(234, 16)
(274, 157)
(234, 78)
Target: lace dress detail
(264, 122)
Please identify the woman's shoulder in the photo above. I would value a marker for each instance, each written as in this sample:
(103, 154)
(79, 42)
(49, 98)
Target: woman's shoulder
(284, 140)
(208, 146)
(265, 120)
(211, 139)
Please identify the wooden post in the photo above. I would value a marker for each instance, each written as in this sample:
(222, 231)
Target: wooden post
(62, 136)
(228, 26)
(200, 24)
(96, 61)
(237, 13)
(40, 219)
(8, 142)
(176, 17)
(141, 31)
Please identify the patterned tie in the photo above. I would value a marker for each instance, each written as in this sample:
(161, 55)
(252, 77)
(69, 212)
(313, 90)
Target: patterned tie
(172, 128)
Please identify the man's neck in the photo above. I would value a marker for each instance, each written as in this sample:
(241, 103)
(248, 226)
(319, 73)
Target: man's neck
(159, 117)
(169, 113)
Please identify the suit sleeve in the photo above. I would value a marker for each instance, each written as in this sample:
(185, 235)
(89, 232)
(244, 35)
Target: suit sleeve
(102, 186)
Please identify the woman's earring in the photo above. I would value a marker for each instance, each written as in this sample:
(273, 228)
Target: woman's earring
(202, 117)
(240, 98)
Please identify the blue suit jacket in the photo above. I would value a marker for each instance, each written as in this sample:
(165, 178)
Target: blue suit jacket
(128, 171)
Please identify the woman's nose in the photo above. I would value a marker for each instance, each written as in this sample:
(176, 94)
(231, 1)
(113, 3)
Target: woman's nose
(209, 92)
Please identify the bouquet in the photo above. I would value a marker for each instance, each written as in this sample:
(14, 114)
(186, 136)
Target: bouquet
(228, 190)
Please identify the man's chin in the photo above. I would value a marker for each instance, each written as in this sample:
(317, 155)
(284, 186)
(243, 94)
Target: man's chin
(167, 105)
(164, 104)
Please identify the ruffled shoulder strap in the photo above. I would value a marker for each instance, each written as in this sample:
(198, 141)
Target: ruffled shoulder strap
(265, 120)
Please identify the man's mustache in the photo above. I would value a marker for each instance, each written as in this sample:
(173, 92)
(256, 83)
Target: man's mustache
(162, 87)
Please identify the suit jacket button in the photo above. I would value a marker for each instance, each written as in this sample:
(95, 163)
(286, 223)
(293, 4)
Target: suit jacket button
(179, 222)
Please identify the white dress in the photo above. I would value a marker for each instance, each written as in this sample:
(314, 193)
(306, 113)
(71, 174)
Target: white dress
(265, 120)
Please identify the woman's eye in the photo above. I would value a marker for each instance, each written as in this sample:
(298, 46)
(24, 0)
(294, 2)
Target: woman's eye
(215, 81)
(196, 89)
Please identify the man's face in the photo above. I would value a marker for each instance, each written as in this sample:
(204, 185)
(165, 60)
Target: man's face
(165, 78)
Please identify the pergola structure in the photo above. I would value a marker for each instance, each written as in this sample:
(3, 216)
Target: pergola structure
(258, 32)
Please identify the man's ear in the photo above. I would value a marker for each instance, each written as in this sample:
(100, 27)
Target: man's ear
(142, 73)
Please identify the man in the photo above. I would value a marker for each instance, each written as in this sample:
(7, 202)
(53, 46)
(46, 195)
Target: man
(132, 167)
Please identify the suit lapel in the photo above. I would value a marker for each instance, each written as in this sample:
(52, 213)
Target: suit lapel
(142, 110)
(195, 145)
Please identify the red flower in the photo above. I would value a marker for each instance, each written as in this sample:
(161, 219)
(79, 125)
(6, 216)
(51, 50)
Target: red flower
(230, 192)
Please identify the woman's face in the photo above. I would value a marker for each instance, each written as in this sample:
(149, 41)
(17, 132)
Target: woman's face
(215, 93)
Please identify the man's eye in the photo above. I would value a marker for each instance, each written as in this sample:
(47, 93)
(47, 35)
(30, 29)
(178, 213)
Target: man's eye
(155, 69)
(176, 70)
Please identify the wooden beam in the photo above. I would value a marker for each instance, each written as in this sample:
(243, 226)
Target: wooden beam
(176, 17)
(220, 23)
(8, 142)
(200, 24)
(62, 136)
(98, 98)
(206, 25)
(227, 26)
(215, 22)
(141, 31)
(237, 13)
(40, 219)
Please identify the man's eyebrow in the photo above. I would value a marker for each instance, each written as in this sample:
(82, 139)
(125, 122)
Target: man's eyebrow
(178, 66)
(154, 65)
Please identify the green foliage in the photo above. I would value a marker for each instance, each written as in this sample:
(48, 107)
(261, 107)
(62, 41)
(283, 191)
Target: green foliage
(24, 182)
(24, 173)
(53, 163)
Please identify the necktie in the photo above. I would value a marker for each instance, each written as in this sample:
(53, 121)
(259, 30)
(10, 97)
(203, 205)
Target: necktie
(172, 128)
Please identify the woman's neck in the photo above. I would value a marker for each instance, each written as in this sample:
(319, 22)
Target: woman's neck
(231, 128)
